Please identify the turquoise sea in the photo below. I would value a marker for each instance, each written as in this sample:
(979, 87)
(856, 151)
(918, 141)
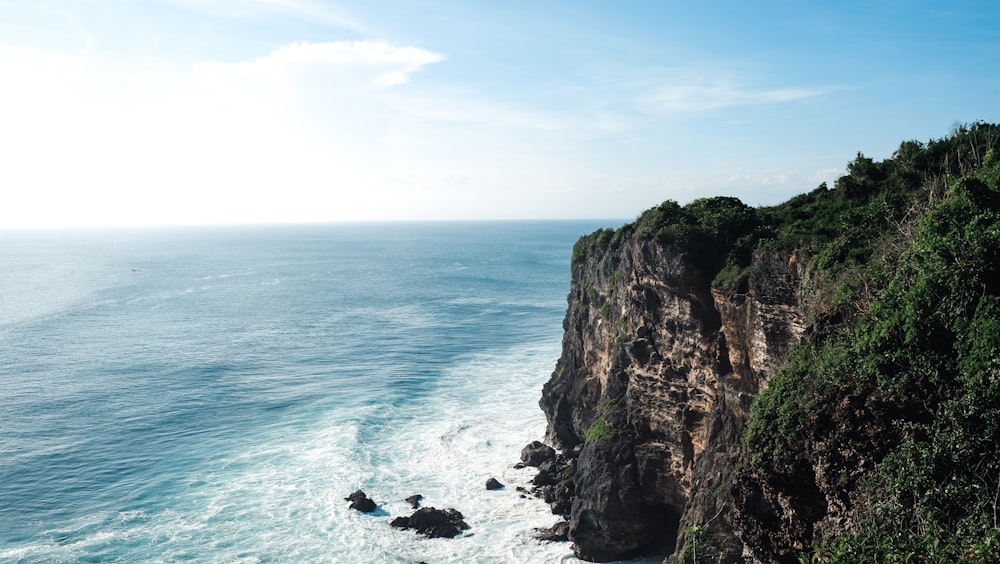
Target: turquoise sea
(212, 394)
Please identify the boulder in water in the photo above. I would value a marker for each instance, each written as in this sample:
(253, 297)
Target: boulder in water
(536, 453)
(433, 523)
(359, 500)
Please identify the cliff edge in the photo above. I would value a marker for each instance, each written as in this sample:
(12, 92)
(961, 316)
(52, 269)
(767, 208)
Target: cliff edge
(678, 321)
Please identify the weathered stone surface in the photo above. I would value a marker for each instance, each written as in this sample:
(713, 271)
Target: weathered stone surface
(433, 523)
(359, 500)
(670, 367)
(611, 518)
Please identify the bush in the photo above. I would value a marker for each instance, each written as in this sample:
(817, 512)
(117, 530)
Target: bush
(598, 429)
(921, 365)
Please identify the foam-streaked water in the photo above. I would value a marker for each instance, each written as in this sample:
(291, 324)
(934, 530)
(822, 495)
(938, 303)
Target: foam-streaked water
(213, 394)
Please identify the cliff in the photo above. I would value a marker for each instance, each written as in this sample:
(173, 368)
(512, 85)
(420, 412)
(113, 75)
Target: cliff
(676, 323)
(671, 367)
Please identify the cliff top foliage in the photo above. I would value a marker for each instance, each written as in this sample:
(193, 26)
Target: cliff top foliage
(897, 395)
(835, 228)
(903, 401)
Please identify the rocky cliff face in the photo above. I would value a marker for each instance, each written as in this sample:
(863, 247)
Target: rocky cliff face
(871, 360)
(655, 383)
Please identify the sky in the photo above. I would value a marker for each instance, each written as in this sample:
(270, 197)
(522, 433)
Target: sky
(172, 112)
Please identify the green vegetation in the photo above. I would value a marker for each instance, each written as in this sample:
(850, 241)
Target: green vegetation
(598, 429)
(608, 405)
(614, 279)
(719, 489)
(606, 312)
(910, 247)
(695, 543)
(601, 239)
(715, 234)
(886, 547)
(841, 232)
(895, 392)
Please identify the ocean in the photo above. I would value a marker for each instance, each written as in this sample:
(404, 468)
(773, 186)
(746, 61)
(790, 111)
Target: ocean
(212, 394)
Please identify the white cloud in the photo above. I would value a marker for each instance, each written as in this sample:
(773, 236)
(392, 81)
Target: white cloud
(465, 108)
(323, 131)
(757, 179)
(294, 135)
(391, 65)
(828, 175)
(688, 94)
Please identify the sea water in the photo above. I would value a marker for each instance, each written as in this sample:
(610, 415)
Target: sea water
(212, 394)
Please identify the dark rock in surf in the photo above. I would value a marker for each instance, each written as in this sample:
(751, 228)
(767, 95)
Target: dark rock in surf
(556, 533)
(414, 500)
(548, 474)
(536, 453)
(433, 523)
(493, 484)
(554, 481)
(359, 500)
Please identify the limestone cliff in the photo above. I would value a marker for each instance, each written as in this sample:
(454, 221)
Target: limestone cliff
(660, 370)
(863, 325)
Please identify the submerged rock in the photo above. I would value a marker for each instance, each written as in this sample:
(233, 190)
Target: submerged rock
(414, 500)
(360, 501)
(433, 523)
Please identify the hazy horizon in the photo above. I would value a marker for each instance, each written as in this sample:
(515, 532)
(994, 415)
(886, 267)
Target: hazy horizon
(609, 222)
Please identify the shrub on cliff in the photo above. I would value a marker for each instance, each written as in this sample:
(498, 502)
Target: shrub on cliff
(910, 392)
(711, 232)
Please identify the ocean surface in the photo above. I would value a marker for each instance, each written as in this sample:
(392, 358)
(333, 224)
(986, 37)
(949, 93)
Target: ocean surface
(212, 394)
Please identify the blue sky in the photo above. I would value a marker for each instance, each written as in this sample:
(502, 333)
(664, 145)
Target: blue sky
(143, 112)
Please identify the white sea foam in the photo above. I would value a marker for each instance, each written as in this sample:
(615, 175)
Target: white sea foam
(157, 420)
(282, 499)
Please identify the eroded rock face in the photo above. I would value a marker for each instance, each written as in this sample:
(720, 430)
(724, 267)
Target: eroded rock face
(611, 517)
(661, 371)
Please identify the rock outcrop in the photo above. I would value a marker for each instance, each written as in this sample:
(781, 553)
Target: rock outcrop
(654, 385)
(433, 523)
